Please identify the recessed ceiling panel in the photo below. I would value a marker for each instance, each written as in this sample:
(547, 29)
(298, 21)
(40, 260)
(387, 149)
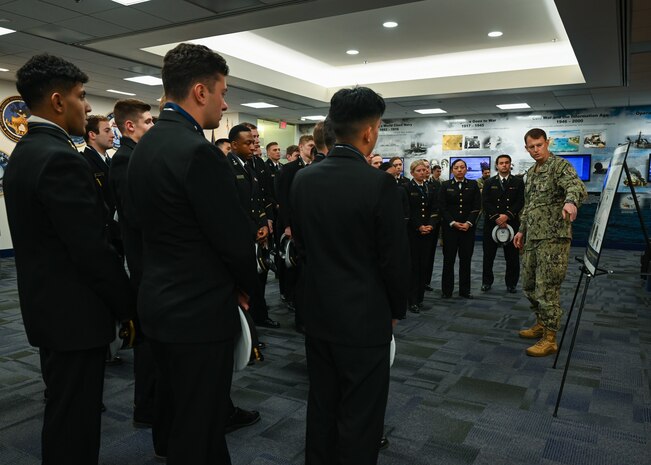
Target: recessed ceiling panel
(425, 28)
(41, 11)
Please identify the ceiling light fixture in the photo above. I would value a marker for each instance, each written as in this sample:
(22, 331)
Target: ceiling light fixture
(352, 52)
(147, 80)
(513, 106)
(495, 34)
(430, 111)
(129, 2)
(4, 30)
(4, 70)
(390, 24)
(259, 105)
(313, 118)
(119, 92)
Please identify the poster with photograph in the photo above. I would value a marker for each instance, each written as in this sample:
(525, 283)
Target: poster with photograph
(594, 140)
(472, 142)
(564, 141)
(452, 141)
(598, 231)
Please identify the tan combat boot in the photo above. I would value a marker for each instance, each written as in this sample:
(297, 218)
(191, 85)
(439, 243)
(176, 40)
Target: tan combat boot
(545, 346)
(535, 332)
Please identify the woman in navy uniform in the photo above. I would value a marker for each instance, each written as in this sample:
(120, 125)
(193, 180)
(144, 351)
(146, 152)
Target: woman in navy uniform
(423, 220)
(460, 202)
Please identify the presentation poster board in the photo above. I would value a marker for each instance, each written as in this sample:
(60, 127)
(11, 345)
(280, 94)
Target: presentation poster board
(598, 231)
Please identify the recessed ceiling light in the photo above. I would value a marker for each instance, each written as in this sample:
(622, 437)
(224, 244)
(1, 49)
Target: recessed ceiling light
(119, 92)
(495, 34)
(4, 69)
(513, 106)
(129, 2)
(4, 30)
(352, 52)
(430, 111)
(390, 24)
(147, 80)
(259, 105)
(313, 118)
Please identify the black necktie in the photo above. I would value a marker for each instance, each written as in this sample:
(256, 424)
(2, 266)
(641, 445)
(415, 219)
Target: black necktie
(249, 169)
(504, 183)
(107, 160)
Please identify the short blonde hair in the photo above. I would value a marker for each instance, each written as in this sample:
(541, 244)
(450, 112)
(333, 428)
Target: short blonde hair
(415, 164)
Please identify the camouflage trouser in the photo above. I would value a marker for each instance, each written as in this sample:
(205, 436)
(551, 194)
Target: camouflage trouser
(544, 265)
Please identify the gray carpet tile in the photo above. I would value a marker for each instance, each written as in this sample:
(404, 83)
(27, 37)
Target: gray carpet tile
(462, 389)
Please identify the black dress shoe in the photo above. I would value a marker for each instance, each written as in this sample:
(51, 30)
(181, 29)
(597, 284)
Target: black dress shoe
(428, 287)
(414, 309)
(511, 289)
(241, 418)
(262, 345)
(446, 296)
(290, 306)
(268, 323)
(384, 443)
(485, 287)
(420, 305)
(466, 295)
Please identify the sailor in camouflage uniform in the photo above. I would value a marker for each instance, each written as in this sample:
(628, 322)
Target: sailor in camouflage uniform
(553, 193)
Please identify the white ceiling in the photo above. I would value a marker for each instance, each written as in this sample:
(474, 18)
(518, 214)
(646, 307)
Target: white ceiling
(611, 40)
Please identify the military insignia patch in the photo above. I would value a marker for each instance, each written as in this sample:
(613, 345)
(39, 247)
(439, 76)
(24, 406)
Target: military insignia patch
(14, 118)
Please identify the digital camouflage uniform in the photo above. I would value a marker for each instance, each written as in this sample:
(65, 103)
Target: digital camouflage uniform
(548, 235)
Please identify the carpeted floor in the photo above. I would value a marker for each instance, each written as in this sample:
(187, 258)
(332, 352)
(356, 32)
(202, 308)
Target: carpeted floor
(462, 389)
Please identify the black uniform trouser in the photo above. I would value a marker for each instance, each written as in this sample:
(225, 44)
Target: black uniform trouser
(430, 265)
(349, 387)
(420, 248)
(511, 255)
(194, 388)
(71, 426)
(144, 374)
(259, 309)
(463, 243)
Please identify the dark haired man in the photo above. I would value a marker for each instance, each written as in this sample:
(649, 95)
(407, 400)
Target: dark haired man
(71, 282)
(250, 195)
(198, 260)
(552, 196)
(291, 153)
(399, 167)
(266, 190)
(502, 199)
(133, 119)
(460, 202)
(224, 144)
(99, 138)
(284, 223)
(324, 139)
(348, 227)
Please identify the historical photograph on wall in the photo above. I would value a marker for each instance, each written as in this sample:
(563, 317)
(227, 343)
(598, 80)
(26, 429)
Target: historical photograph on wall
(564, 141)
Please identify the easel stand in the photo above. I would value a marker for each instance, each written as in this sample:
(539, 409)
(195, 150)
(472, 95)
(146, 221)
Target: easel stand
(589, 276)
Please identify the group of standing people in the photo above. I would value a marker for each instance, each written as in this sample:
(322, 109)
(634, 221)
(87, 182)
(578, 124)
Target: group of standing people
(532, 217)
(191, 236)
